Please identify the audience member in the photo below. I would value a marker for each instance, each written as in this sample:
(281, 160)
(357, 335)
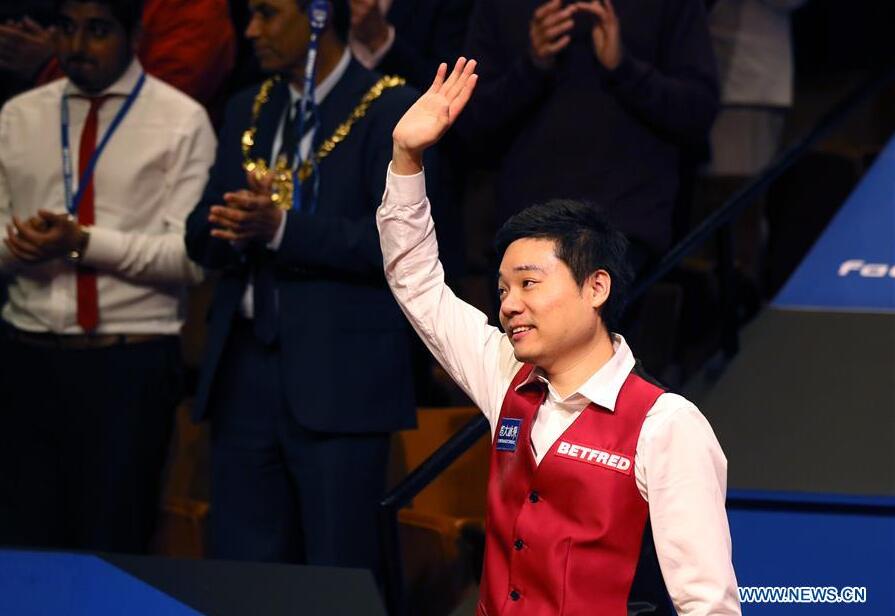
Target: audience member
(753, 45)
(306, 369)
(98, 263)
(189, 44)
(24, 43)
(593, 101)
(408, 37)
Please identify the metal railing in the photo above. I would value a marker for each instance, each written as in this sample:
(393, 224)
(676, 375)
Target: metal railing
(720, 221)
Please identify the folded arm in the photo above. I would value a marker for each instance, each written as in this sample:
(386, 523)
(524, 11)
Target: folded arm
(162, 257)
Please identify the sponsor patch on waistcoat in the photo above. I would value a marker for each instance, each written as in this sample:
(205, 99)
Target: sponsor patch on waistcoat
(508, 434)
(598, 457)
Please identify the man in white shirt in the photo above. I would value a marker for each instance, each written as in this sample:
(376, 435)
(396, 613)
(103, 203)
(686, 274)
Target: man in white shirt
(587, 453)
(97, 174)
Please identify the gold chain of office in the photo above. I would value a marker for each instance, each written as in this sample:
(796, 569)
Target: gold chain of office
(282, 183)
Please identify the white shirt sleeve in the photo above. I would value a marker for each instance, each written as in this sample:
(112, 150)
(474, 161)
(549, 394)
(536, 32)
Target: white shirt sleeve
(8, 261)
(476, 355)
(685, 473)
(162, 257)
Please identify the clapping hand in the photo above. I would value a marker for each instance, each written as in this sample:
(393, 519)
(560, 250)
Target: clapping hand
(605, 33)
(247, 214)
(25, 47)
(44, 237)
(432, 115)
(549, 31)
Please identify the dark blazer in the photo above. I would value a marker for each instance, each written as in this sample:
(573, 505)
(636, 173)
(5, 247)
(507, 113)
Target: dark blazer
(427, 32)
(343, 340)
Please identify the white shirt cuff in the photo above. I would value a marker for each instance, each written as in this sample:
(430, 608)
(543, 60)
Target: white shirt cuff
(274, 243)
(405, 189)
(103, 248)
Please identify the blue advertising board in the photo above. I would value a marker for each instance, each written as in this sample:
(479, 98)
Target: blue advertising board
(813, 554)
(852, 266)
(44, 583)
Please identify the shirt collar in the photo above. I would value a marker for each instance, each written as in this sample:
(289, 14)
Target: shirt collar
(603, 386)
(325, 87)
(123, 86)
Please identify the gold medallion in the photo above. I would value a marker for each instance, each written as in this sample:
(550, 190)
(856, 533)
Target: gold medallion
(282, 183)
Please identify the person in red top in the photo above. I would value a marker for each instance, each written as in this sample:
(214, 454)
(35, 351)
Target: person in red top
(189, 44)
(589, 457)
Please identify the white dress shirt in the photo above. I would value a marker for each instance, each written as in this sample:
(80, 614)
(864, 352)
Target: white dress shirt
(147, 180)
(680, 469)
(247, 307)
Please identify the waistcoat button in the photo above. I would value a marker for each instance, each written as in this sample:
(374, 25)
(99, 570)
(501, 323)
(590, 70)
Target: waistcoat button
(533, 496)
(518, 544)
(514, 595)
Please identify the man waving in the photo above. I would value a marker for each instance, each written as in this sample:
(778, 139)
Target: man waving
(589, 456)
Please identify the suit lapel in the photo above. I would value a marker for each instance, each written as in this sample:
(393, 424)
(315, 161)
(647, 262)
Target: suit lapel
(342, 100)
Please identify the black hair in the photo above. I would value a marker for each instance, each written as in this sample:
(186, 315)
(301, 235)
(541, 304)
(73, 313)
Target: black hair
(585, 241)
(126, 12)
(340, 17)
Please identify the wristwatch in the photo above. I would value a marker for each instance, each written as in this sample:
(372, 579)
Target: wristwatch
(75, 255)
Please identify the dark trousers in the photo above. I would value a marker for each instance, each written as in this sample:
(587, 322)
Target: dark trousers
(281, 492)
(84, 438)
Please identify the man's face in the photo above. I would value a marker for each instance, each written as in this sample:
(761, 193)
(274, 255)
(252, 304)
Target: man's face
(550, 320)
(279, 32)
(94, 49)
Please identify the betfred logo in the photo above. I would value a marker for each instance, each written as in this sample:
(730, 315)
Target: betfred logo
(866, 270)
(597, 457)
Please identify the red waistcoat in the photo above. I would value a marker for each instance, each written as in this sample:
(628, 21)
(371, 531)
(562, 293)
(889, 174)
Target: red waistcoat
(564, 537)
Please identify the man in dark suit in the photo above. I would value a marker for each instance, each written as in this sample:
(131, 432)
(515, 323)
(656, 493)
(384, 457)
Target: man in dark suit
(306, 369)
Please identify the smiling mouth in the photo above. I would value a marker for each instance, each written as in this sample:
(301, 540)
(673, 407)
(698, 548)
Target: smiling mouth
(519, 332)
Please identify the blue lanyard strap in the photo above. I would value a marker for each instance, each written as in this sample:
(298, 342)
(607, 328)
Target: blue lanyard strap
(71, 204)
(318, 12)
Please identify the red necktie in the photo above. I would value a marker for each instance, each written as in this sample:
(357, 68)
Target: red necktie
(88, 297)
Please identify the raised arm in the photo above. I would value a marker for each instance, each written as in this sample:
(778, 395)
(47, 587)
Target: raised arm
(477, 356)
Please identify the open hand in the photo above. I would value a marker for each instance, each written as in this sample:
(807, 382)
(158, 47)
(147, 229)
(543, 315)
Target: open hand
(432, 115)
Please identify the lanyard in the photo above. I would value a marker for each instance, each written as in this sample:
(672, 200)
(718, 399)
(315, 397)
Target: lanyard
(71, 204)
(318, 12)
